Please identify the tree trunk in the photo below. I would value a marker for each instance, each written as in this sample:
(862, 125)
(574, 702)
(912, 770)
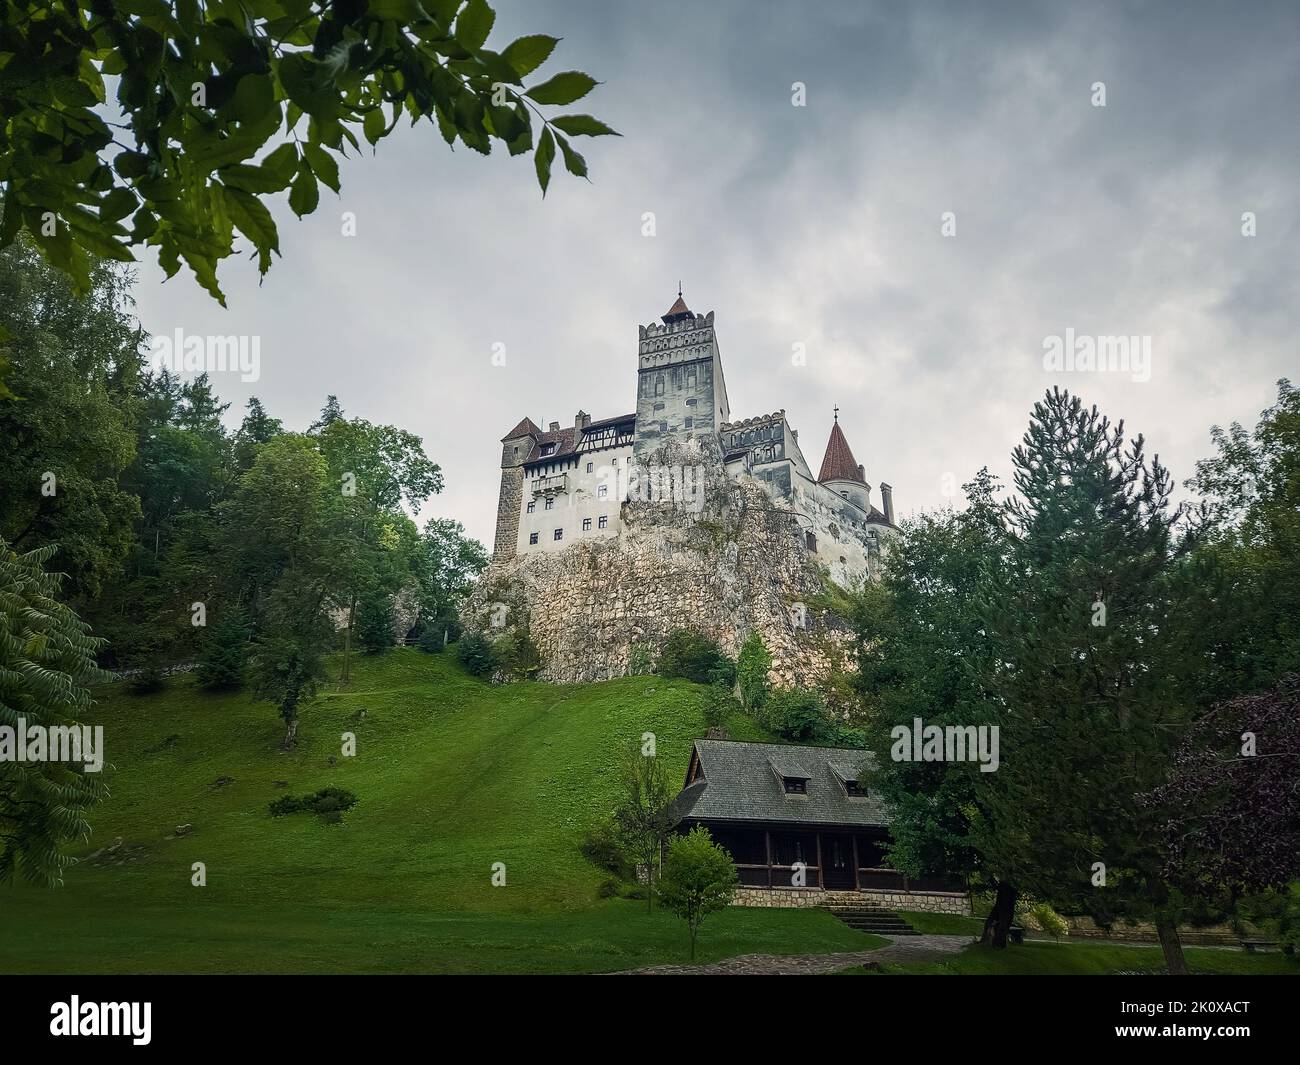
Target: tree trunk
(1172, 947)
(346, 679)
(998, 923)
(290, 734)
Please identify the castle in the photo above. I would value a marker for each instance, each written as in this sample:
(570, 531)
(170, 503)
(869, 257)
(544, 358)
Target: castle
(565, 485)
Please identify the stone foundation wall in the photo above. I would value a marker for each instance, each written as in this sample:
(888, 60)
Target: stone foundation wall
(809, 898)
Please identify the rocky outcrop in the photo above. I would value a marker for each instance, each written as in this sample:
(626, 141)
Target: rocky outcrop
(726, 565)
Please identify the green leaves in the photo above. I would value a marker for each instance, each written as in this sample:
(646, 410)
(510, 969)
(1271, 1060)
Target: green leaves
(583, 126)
(543, 157)
(213, 102)
(474, 24)
(563, 88)
(528, 53)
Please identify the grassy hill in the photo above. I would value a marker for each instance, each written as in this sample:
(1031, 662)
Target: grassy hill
(451, 776)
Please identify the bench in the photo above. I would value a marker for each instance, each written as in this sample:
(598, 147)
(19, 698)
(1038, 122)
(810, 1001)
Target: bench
(1259, 946)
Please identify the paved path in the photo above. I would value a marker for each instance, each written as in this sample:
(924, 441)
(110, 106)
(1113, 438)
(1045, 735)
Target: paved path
(900, 949)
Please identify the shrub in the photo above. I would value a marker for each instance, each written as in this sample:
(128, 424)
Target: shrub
(609, 889)
(430, 639)
(797, 714)
(694, 656)
(640, 660)
(516, 656)
(150, 679)
(719, 704)
(475, 653)
(600, 846)
(330, 803)
(1046, 919)
(751, 672)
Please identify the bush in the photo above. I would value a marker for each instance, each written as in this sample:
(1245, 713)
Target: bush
(609, 889)
(600, 846)
(149, 680)
(719, 704)
(799, 715)
(1043, 918)
(694, 656)
(430, 639)
(640, 660)
(751, 672)
(475, 653)
(329, 803)
(516, 656)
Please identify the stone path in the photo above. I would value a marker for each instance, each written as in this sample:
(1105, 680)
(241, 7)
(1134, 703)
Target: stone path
(900, 949)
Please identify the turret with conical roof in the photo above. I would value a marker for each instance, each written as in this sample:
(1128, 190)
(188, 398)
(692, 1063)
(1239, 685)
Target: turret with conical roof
(841, 472)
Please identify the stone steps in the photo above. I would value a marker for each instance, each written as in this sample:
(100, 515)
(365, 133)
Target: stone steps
(878, 921)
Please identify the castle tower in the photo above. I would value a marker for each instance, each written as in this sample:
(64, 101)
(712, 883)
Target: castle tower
(840, 471)
(516, 446)
(681, 393)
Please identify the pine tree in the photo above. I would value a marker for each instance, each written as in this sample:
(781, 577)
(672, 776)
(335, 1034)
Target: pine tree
(223, 654)
(1080, 619)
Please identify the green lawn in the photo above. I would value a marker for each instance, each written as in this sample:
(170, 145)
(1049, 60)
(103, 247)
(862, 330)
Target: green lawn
(451, 775)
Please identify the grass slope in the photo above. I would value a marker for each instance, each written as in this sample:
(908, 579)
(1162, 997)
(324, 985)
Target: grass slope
(451, 775)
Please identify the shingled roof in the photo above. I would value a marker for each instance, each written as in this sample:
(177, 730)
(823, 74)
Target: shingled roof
(524, 428)
(567, 441)
(739, 781)
(677, 311)
(839, 463)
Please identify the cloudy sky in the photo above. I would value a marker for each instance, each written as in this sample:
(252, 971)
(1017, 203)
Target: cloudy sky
(817, 225)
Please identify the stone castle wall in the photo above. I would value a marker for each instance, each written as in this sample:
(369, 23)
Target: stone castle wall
(732, 564)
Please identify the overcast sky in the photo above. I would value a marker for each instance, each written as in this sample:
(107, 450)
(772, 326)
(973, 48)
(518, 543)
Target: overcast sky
(817, 225)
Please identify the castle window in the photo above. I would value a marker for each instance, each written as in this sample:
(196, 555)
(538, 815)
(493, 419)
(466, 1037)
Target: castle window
(689, 423)
(586, 525)
(550, 502)
(690, 377)
(602, 490)
(559, 534)
(659, 385)
(810, 541)
(590, 467)
(548, 449)
(532, 505)
(532, 538)
(602, 522)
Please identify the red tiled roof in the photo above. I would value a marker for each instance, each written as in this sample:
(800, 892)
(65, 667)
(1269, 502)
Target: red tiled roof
(839, 463)
(524, 428)
(567, 441)
(677, 310)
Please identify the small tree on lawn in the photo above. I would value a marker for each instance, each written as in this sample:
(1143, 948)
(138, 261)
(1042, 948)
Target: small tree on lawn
(224, 652)
(644, 818)
(699, 879)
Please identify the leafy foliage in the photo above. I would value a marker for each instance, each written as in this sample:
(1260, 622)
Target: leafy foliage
(752, 665)
(227, 103)
(694, 656)
(474, 651)
(799, 715)
(47, 659)
(224, 653)
(699, 879)
(643, 817)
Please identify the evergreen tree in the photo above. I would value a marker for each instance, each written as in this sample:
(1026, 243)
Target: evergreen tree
(223, 653)
(375, 621)
(1079, 620)
(752, 665)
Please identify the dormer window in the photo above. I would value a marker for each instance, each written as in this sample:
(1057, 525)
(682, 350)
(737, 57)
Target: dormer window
(855, 790)
(795, 785)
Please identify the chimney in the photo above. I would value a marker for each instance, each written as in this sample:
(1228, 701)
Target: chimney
(555, 427)
(581, 420)
(887, 502)
(862, 474)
